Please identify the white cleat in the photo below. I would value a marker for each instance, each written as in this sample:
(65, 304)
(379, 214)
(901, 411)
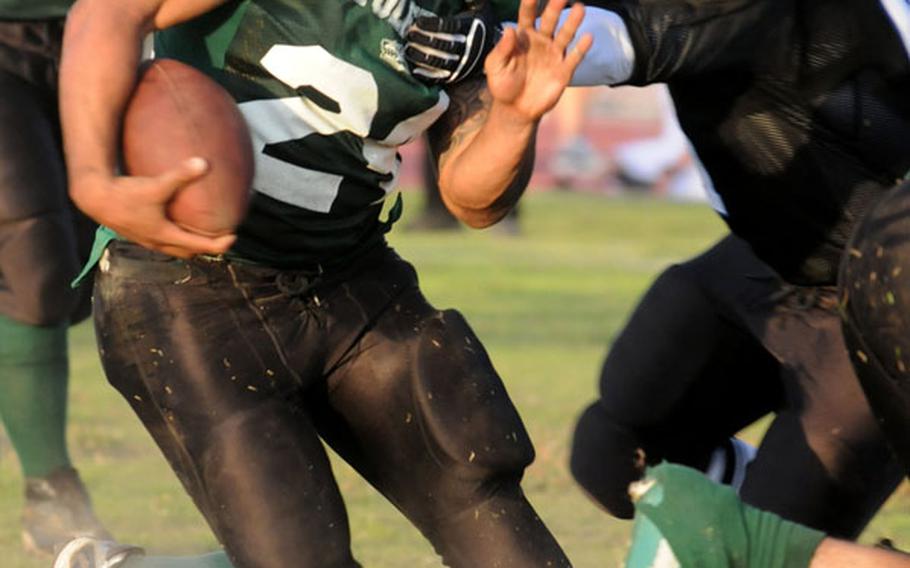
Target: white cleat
(729, 462)
(88, 552)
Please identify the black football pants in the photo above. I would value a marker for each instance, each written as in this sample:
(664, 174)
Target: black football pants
(43, 238)
(238, 370)
(716, 343)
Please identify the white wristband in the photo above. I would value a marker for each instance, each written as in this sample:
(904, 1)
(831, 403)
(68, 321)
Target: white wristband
(611, 58)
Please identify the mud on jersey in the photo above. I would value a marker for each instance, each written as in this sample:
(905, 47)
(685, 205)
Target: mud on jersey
(328, 99)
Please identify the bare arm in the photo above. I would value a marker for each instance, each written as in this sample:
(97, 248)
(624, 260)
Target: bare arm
(484, 144)
(505, 157)
(841, 554)
(102, 45)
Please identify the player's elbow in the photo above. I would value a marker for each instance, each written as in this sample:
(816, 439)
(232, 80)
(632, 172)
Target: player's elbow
(469, 206)
(481, 209)
(476, 216)
(476, 219)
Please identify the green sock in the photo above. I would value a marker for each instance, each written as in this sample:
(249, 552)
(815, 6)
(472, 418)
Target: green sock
(33, 385)
(211, 560)
(684, 519)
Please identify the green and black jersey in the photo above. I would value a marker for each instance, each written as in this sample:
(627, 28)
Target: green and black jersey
(328, 98)
(34, 9)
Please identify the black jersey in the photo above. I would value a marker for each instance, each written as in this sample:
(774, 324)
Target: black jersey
(799, 110)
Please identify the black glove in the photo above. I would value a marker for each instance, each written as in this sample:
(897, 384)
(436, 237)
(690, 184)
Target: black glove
(448, 50)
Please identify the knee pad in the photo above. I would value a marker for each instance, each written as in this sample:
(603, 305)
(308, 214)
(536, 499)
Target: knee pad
(606, 457)
(875, 300)
(465, 411)
(875, 283)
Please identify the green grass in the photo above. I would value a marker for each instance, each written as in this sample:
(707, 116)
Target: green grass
(546, 304)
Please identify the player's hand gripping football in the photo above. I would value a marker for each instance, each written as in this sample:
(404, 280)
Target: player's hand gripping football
(135, 207)
(529, 68)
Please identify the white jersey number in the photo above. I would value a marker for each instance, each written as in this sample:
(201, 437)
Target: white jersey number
(273, 121)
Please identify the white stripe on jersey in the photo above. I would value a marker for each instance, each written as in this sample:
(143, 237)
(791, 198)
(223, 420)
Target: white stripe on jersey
(899, 12)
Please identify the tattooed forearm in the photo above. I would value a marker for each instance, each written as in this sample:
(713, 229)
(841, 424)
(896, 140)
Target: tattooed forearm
(484, 156)
(467, 112)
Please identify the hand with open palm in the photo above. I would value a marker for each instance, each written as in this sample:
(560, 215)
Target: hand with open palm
(529, 68)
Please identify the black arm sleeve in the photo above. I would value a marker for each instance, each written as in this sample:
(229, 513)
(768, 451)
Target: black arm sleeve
(680, 38)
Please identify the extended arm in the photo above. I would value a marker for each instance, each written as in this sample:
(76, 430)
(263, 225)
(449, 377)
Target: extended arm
(489, 157)
(484, 143)
(833, 553)
(676, 39)
(101, 51)
(447, 50)
(637, 42)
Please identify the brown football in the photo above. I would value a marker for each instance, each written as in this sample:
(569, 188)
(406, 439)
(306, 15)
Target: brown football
(177, 112)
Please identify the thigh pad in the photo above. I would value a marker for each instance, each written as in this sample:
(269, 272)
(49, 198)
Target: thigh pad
(463, 405)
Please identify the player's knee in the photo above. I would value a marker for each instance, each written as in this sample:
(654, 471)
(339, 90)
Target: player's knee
(678, 292)
(605, 459)
(875, 283)
(469, 420)
(585, 457)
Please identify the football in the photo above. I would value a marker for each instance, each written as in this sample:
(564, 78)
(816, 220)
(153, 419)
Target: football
(175, 113)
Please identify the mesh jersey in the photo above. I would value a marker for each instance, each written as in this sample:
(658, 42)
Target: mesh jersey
(799, 110)
(328, 98)
(34, 9)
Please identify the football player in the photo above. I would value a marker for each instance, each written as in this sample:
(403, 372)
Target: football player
(308, 327)
(42, 240)
(716, 343)
(800, 114)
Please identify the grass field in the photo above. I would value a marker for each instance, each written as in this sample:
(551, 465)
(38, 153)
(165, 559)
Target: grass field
(546, 304)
